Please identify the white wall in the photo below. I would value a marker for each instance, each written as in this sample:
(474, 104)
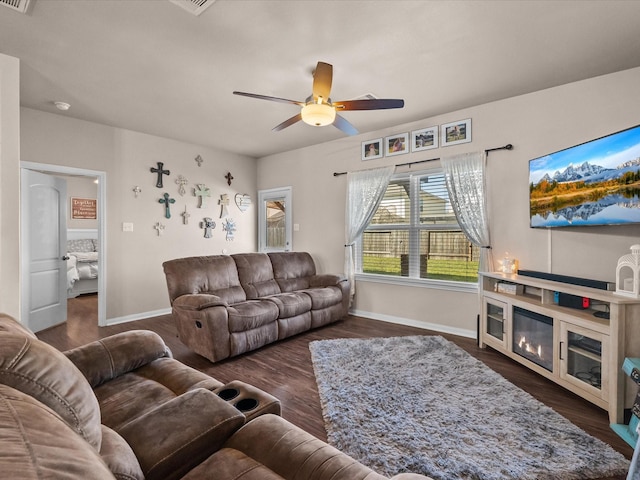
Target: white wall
(536, 124)
(9, 185)
(135, 280)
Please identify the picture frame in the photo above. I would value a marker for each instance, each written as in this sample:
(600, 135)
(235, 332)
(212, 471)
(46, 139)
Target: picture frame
(396, 144)
(83, 208)
(424, 139)
(455, 133)
(372, 149)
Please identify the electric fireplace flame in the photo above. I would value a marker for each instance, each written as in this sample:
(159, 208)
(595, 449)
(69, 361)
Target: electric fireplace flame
(529, 348)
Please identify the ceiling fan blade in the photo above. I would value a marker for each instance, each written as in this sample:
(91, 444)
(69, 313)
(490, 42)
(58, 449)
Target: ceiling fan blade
(288, 123)
(273, 99)
(342, 124)
(322, 78)
(373, 104)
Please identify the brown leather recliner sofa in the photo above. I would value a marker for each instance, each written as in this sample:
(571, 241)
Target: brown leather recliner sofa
(123, 408)
(228, 305)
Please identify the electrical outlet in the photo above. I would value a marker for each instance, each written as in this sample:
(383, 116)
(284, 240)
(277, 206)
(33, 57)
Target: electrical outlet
(127, 227)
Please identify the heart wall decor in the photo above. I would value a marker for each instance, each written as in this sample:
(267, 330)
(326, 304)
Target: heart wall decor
(243, 201)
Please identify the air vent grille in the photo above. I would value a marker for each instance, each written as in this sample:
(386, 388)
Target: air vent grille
(195, 7)
(17, 5)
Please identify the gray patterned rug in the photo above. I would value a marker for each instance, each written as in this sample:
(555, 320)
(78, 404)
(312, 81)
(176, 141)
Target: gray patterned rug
(421, 404)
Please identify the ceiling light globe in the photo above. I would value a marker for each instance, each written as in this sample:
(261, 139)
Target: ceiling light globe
(318, 115)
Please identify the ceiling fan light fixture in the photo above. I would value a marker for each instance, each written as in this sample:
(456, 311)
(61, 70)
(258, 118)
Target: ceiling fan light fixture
(318, 114)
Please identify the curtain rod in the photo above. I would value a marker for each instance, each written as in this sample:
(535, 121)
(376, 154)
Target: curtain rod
(508, 146)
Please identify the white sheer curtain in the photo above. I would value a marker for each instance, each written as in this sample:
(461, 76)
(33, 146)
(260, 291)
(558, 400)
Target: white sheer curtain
(365, 190)
(465, 178)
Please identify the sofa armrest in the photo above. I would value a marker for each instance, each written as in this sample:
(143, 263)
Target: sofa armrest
(181, 433)
(198, 301)
(106, 359)
(326, 280)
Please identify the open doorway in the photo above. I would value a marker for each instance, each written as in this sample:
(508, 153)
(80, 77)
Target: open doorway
(81, 183)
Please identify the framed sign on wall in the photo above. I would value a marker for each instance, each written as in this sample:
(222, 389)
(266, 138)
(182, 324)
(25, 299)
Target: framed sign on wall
(83, 208)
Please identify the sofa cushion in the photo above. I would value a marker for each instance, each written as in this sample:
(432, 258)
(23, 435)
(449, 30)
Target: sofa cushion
(292, 270)
(11, 325)
(41, 371)
(119, 456)
(291, 304)
(215, 275)
(324, 297)
(37, 444)
(256, 274)
(251, 314)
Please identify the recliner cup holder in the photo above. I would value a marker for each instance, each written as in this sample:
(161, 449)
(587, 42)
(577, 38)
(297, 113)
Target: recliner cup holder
(246, 404)
(229, 394)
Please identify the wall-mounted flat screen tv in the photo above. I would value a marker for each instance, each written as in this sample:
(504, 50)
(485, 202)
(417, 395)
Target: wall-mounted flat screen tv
(595, 183)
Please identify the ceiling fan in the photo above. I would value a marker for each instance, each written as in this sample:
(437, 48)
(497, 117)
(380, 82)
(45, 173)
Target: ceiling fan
(318, 109)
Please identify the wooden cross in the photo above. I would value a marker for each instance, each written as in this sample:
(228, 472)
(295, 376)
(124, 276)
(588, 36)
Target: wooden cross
(203, 192)
(199, 160)
(230, 227)
(137, 190)
(167, 201)
(160, 172)
(181, 181)
(208, 225)
(159, 227)
(185, 216)
(223, 202)
(229, 177)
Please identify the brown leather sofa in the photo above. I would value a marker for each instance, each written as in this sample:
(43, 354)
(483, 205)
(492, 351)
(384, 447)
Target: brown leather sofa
(123, 408)
(228, 305)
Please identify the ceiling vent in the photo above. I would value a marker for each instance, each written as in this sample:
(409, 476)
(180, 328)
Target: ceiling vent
(18, 5)
(196, 7)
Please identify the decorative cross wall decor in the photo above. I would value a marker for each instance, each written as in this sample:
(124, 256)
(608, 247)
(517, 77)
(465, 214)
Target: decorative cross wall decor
(167, 201)
(181, 181)
(223, 202)
(208, 225)
(229, 177)
(159, 227)
(203, 192)
(199, 160)
(230, 227)
(160, 172)
(185, 216)
(137, 190)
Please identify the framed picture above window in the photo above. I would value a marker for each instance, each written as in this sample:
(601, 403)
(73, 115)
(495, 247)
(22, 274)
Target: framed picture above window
(396, 144)
(424, 139)
(456, 132)
(372, 149)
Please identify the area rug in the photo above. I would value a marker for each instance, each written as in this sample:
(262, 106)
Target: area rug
(421, 404)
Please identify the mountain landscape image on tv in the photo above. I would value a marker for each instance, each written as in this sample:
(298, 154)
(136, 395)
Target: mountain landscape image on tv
(595, 183)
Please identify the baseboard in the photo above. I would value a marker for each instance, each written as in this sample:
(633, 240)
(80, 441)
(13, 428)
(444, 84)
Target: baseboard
(137, 316)
(416, 323)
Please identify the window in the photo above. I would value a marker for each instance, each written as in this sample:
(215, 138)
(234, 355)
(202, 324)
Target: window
(274, 220)
(415, 234)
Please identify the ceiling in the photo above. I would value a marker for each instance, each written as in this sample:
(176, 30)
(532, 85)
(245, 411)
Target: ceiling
(153, 67)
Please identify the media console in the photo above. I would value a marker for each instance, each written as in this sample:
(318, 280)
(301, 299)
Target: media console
(578, 348)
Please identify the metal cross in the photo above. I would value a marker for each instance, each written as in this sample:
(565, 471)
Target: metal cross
(223, 202)
(160, 172)
(159, 227)
(208, 225)
(229, 177)
(203, 192)
(185, 216)
(199, 160)
(167, 201)
(230, 227)
(181, 181)
(137, 190)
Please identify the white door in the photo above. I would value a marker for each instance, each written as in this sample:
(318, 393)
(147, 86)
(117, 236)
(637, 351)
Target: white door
(43, 213)
(274, 220)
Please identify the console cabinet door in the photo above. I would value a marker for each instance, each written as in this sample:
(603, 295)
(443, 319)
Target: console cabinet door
(583, 355)
(495, 323)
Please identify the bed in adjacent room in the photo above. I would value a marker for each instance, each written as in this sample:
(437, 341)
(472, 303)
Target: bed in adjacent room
(82, 265)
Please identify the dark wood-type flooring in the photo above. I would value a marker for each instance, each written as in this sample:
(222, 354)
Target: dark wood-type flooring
(284, 369)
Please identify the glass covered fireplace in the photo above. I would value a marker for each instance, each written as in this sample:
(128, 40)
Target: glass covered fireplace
(533, 337)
